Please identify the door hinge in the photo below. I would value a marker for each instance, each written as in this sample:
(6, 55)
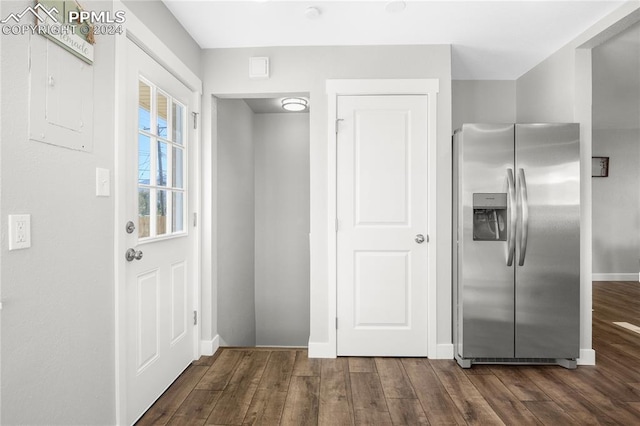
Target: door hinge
(337, 121)
(195, 120)
(195, 317)
(195, 220)
(336, 323)
(336, 225)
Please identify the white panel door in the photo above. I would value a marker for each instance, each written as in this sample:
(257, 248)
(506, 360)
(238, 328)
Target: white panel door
(160, 288)
(382, 216)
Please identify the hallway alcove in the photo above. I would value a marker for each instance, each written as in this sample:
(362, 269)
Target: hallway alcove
(616, 134)
(262, 258)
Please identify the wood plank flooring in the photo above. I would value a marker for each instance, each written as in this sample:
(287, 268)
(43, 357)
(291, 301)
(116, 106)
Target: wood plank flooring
(247, 386)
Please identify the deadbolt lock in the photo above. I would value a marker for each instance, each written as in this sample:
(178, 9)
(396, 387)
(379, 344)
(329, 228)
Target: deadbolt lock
(130, 227)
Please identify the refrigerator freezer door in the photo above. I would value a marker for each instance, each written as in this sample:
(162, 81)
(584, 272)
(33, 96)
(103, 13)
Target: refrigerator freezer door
(484, 298)
(547, 291)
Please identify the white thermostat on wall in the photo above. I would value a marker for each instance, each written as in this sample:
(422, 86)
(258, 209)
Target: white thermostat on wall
(259, 67)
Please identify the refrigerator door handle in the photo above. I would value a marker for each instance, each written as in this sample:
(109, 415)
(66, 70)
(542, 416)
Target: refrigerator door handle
(513, 217)
(524, 199)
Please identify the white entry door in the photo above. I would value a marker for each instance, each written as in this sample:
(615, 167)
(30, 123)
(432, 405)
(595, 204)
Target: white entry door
(159, 269)
(382, 224)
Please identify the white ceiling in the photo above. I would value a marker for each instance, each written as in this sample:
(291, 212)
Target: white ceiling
(491, 40)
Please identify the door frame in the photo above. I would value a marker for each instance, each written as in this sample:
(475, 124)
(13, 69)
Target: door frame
(135, 31)
(357, 87)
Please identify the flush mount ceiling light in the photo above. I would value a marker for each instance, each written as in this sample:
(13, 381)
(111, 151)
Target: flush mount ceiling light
(294, 104)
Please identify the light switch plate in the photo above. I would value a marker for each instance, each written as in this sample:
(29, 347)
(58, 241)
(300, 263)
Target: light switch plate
(19, 231)
(103, 182)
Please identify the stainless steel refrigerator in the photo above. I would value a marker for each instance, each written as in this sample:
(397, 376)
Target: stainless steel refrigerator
(516, 243)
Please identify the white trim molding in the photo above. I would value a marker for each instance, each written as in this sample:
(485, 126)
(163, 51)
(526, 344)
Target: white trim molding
(587, 357)
(335, 88)
(146, 40)
(444, 351)
(615, 276)
(321, 350)
(209, 347)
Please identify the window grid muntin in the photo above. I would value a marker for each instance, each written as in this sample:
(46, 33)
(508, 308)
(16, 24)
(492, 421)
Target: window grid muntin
(153, 187)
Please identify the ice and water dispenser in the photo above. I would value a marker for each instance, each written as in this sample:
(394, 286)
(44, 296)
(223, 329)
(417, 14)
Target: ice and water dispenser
(490, 217)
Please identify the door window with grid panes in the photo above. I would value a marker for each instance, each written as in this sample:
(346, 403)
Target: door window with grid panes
(162, 182)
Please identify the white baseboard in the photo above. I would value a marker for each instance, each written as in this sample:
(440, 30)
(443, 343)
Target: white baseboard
(443, 351)
(587, 357)
(209, 347)
(615, 277)
(325, 350)
(321, 350)
(280, 347)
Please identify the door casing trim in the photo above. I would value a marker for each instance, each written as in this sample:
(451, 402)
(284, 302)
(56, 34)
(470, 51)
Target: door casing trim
(140, 35)
(356, 87)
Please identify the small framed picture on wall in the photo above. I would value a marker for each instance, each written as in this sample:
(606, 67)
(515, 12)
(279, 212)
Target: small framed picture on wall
(600, 166)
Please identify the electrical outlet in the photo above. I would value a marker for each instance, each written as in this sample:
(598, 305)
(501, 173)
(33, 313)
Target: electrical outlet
(19, 231)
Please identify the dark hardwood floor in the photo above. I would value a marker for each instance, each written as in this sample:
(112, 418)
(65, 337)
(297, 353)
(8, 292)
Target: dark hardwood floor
(272, 387)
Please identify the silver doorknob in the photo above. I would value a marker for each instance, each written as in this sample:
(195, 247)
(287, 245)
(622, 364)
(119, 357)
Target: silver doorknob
(419, 238)
(132, 254)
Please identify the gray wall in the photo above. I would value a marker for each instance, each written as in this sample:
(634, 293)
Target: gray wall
(155, 16)
(546, 93)
(616, 134)
(616, 81)
(306, 69)
(236, 229)
(58, 329)
(483, 101)
(263, 227)
(616, 206)
(555, 89)
(282, 228)
(58, 321)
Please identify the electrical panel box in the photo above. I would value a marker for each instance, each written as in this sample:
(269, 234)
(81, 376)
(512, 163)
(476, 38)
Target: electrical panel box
(61, 96)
